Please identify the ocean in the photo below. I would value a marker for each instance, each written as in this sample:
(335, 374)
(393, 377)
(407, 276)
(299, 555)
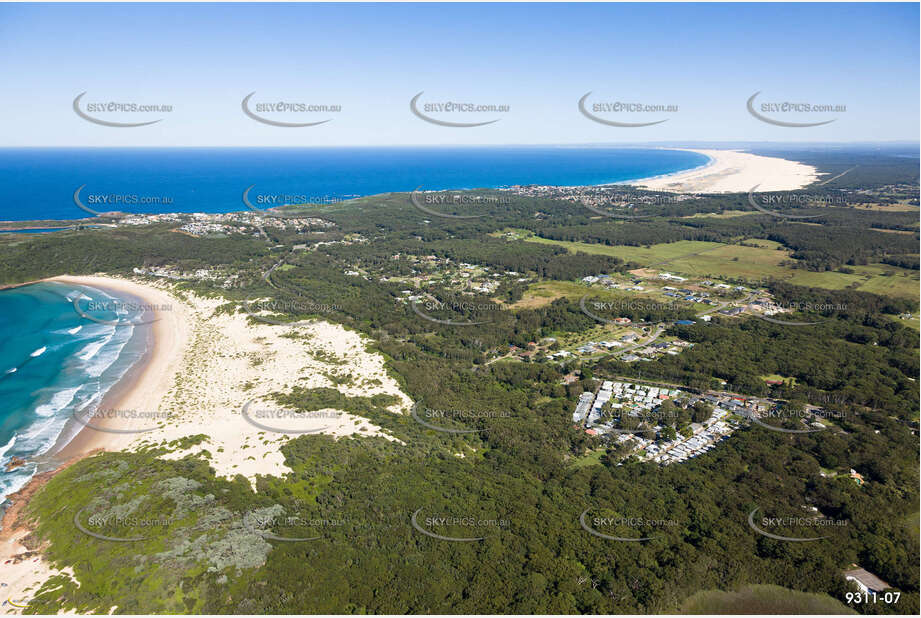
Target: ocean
(56, 362)
(39, 183)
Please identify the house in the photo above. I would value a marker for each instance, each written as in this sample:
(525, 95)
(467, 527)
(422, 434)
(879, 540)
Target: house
(585, 401)
(733, 311)
(671, 277)
(866, 581)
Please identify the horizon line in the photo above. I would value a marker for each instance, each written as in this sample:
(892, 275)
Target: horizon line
(662, 144)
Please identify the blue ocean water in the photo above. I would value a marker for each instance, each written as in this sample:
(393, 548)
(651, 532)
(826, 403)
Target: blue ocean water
(39, 183)
(53, 362)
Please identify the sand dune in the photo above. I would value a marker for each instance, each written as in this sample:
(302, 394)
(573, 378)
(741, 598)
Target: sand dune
(732, 171)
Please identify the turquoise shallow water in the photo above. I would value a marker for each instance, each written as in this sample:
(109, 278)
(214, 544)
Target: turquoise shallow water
(40, 183)
(55, 361)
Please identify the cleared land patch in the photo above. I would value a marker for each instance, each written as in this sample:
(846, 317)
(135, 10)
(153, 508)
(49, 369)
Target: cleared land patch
(753, 263)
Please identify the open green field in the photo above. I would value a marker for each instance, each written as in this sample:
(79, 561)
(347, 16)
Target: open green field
(643, 255)
(777, 376)
(763, 599)
(591, 458)
(545, 292)
(709, 259)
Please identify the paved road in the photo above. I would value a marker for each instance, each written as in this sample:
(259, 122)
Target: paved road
(658, 332)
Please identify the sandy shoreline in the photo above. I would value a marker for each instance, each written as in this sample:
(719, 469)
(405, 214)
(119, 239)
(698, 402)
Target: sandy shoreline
(147, 382)
(203, 365)
(732, 171)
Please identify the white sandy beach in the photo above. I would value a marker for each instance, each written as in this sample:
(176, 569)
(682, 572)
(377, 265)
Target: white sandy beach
(732, 171)
(204, 366)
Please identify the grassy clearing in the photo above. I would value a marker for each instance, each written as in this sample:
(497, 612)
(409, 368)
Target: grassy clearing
(753, 263)
(545, 292)
(763, 599)
(592, 458)
(777, 376)
(644, 255)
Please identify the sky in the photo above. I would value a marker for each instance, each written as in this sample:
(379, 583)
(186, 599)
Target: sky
(539, 60)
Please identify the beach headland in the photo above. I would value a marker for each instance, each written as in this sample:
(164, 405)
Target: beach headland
(733, 171)
(226, 360)
(24, 569)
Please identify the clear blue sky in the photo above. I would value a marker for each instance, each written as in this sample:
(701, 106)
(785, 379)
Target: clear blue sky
(537, 58)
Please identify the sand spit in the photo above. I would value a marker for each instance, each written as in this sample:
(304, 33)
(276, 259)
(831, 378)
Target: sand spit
(732, 171)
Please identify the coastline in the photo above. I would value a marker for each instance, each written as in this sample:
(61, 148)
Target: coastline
(231, 361)
(711, 160)
(146, 382)
(732, 171)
